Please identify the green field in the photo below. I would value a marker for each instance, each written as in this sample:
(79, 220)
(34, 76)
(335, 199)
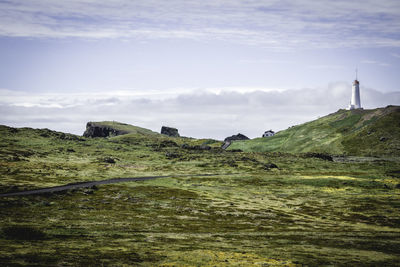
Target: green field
(264, 209)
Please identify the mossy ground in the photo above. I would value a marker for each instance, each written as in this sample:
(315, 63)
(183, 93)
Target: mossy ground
(305, 212)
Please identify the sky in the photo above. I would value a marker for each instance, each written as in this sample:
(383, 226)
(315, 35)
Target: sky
(210, 68)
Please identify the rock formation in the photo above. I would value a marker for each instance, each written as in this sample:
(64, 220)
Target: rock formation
(239, 136)
(98, 130)
(228, 140)
(169, 131)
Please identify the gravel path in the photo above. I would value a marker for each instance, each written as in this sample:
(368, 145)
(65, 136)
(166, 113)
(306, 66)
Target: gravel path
(92, 183)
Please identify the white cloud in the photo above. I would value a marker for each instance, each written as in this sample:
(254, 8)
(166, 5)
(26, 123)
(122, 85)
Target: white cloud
(275, 24)
(205, 113)
(326, 67)
(374, 62)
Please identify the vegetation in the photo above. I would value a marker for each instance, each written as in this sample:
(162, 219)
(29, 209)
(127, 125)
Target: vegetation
(264, 209)
(352, 132)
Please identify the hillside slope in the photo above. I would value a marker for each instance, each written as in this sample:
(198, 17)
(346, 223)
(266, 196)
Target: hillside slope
(113, 128)
(355, 132)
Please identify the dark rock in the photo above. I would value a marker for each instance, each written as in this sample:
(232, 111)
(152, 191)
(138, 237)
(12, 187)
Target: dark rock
(186, 146)
(249, 159)
(232, 163)
(109, 160)
(239, 136)
(382, 139)
(270, 166)
(318, 155)
(46, 203)
(70, 150)
(235, 150)
(168, 143)
(202, 147)
(16, 158)
(95, 130)
(205, 147)
(173, 132)
(88, 191)
(171, 155)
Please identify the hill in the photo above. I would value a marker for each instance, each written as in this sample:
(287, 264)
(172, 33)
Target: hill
(113, 128)
(353, 132)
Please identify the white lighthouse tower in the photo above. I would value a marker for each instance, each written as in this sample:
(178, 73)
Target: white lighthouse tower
(355, 95)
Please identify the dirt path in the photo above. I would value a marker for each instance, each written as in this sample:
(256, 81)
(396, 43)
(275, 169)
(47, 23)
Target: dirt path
(92, 183)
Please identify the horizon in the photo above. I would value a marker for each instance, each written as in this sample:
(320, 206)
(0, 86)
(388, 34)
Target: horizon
(209, 69)
(221, 139)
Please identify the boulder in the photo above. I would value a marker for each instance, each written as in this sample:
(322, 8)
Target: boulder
(270, 166)
(239, 136)
(98, 130)
(173, 132)
(109, 160)
(318, 155)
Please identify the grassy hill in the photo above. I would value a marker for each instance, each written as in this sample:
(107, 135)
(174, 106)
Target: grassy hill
(119, 128)
(353, 132)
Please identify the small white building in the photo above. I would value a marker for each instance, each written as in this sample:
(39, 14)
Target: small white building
(268, 133)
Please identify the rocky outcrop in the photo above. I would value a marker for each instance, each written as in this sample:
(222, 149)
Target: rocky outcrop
(201, 147)
(239, 136)
(98, 130)
(226, 144)
(322, 156)
(173, 132)
(228, 140)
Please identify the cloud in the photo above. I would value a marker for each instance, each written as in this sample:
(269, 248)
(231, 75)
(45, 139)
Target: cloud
(326, 67)
(374, 62)
(274, 24)
(196, 113)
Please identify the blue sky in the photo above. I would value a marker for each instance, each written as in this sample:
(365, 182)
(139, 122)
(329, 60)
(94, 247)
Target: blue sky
(234, 66)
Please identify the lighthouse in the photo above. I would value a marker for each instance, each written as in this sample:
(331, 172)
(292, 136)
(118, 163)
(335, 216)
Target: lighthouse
(355, 102)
